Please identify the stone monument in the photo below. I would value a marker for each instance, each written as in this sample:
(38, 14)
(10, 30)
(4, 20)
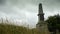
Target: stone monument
(41, 25)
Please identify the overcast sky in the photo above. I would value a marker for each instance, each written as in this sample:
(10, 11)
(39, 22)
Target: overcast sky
(25, 11)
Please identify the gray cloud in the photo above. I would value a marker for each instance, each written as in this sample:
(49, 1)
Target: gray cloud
(26, 10)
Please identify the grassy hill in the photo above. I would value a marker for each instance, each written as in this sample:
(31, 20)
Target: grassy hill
(12, 29)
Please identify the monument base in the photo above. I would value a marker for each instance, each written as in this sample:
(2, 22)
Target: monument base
(42, 27)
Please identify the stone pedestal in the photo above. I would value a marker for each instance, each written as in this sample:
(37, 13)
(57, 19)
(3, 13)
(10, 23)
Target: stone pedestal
(42, 27)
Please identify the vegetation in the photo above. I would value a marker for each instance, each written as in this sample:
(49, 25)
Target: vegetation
(13, 29)
(53, 23)
(7, 28)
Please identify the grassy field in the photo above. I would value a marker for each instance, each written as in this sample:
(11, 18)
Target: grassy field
(12, 29)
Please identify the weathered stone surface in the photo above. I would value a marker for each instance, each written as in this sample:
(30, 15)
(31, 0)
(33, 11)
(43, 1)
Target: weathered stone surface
(41, 25)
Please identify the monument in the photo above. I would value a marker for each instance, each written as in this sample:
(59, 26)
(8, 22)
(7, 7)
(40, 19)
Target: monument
(41, 25)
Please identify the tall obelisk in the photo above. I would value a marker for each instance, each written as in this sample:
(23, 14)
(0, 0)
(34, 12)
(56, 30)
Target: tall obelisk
(40, 13)
(41, 25)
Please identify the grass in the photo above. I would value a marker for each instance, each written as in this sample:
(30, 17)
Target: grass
(12, 29)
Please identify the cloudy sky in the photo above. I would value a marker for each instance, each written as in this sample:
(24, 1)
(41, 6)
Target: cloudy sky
(25, 11)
